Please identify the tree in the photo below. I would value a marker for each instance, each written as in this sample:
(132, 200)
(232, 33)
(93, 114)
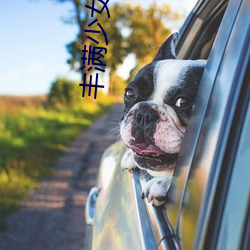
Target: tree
(63, 92)
(130, 29)
(117, 86)
(116, 47)
(147, 31)
(82, 18)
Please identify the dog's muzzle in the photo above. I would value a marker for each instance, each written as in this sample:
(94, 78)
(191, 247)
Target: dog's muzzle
(145, 118)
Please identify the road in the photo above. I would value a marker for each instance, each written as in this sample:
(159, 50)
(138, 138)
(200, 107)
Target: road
(53, 217)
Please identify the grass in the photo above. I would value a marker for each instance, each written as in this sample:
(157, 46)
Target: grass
(31, 138)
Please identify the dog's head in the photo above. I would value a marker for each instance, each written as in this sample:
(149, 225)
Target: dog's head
(158, 102)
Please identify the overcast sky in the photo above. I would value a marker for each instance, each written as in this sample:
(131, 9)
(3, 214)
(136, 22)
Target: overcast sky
(32, 44)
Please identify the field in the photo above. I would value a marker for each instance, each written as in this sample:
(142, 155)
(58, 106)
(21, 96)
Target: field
(32, 135)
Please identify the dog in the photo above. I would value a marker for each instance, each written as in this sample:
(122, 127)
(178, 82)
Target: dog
(158, 102)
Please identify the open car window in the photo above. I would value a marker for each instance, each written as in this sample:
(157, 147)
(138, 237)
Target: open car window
(197, 175)
(196, 41)
(213, 30)
(198, 33)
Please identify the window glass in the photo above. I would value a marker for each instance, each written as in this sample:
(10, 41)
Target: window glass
(236, 206)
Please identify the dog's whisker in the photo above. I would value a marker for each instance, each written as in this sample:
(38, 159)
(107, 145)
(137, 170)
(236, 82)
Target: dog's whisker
(112, 132)
(118, 138)
(116, 121)
(116, 129)
(111, 135)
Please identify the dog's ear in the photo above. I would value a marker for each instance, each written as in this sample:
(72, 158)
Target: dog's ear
(167, 49)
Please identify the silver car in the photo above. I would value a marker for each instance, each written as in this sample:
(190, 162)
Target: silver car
(208, 203)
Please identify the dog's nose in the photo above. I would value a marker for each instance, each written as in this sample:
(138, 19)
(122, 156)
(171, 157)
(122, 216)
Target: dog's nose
(145, 117)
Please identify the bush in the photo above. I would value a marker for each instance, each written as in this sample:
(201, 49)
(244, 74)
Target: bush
(64, 92)
(32, 137)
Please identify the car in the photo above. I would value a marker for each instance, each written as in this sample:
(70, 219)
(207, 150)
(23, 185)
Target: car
(208, 203)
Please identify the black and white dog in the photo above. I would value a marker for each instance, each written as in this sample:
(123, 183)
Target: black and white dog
(158, 103)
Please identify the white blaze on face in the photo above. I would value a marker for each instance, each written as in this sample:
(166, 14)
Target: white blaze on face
(169, 131)
(126, 132)
(126, 125)
(169, 74)
(168, 137)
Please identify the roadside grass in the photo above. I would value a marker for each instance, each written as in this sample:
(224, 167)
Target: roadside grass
(32, 136)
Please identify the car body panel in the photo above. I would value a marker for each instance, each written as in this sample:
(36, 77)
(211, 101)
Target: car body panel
(237, 202)
(202, 213)
(117, 224)
(205, 145)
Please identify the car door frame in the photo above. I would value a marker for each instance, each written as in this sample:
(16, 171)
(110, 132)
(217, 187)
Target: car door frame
(198, 139)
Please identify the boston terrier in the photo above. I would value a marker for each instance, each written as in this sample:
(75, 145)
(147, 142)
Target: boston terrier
(158, 102)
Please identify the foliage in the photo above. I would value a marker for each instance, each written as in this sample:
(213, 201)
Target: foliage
(147, 30)
(31, 139)
(64, 92)
(116, 44)
(130, 29)
(67, 93)
(117, 86)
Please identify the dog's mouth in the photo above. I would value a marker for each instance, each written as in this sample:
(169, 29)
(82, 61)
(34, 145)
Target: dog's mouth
(149, 152)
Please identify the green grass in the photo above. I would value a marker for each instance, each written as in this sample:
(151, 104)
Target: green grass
(31, 139)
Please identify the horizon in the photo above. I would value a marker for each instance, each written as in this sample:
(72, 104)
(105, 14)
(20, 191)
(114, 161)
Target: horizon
(34, 42)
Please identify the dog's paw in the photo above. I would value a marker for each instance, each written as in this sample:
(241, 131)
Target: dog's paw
(127, 162)
(156, 189)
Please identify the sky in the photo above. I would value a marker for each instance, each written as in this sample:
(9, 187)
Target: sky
(32, 44)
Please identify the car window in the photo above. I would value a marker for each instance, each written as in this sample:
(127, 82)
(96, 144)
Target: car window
(235, 212)
(199, 31)
(208, 130)
(193, 129)
(165, 224)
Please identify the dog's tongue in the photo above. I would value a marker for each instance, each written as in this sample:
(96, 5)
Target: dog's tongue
(145, 149)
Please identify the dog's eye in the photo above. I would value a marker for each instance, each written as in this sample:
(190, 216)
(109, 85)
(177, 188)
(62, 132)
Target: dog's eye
(130, 94)
(183, 102)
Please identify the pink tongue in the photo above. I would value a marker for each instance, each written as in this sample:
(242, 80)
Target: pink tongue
(145, 149)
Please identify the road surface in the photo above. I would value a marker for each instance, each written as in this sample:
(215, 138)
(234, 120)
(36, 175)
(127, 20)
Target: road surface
(53, 218)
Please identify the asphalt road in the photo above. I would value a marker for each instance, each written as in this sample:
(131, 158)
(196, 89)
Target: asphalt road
(53, 218)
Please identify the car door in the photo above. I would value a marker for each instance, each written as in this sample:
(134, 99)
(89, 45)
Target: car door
(122, 220)
(207, 184)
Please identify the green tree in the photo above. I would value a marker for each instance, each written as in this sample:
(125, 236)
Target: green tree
(118, 85)
(147, 31)
(130, 29)
(116, 49)
(64, 92)
(80, 16)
